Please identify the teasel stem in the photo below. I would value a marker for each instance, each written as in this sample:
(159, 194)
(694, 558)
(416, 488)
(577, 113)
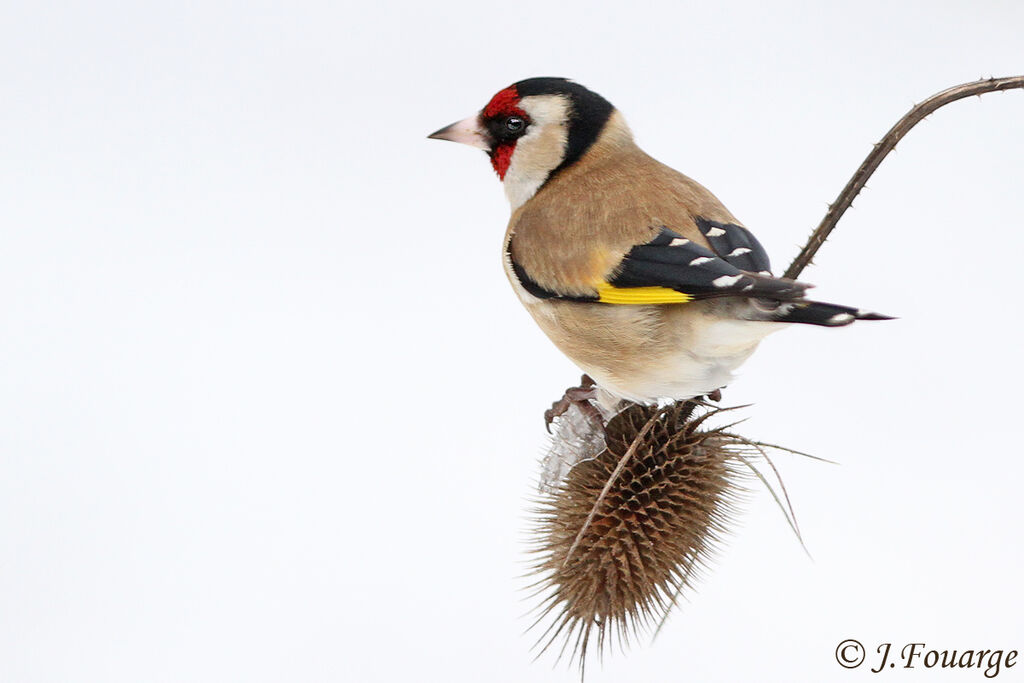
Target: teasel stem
(881, 150)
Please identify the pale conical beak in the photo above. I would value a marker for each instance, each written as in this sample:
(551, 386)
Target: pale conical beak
(467, 131)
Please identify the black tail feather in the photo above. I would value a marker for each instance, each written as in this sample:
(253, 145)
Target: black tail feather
(815, 313)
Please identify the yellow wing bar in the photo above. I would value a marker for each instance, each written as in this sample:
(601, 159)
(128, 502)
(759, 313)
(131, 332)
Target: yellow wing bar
(610, 294)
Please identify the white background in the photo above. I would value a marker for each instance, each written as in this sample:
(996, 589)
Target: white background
(269, 410)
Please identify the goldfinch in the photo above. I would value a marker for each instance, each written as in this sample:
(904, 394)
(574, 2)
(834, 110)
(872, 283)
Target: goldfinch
(636, 272)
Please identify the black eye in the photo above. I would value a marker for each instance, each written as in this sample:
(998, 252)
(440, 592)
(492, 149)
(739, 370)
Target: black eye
(514, 124)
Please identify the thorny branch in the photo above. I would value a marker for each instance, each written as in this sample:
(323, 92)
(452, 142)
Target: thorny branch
(881, 150)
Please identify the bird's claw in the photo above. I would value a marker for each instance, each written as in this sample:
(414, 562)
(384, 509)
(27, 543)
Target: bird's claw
(580, 397)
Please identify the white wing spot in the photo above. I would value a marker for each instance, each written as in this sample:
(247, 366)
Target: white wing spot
(765, 272)
(739, 251)
(726, 280)
(679, 242)
(701, 260)
(841, 318)
(748, 287)
(715, 232)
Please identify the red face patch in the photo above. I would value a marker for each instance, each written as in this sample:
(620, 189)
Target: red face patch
(505, 103)
(501, 158)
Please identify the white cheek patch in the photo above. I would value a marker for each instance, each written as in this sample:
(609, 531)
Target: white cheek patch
(541, 150)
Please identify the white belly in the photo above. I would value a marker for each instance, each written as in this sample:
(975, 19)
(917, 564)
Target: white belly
(652, 353)
(692, 371)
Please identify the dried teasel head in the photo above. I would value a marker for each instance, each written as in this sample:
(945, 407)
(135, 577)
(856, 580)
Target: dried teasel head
(625, 532)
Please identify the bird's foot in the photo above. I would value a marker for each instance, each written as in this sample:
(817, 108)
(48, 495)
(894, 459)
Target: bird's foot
(715, 395)
(580, 397)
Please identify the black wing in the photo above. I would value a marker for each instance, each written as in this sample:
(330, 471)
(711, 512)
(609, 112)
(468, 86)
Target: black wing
(672, 262)
(736, 245)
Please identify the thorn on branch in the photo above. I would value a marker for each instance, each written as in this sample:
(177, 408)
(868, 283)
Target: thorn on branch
(881, 149)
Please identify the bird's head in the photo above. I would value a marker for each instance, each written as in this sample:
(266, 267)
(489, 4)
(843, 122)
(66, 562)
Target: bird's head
(532, 130)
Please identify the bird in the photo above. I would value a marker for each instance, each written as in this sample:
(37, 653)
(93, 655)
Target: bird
(635, 271)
